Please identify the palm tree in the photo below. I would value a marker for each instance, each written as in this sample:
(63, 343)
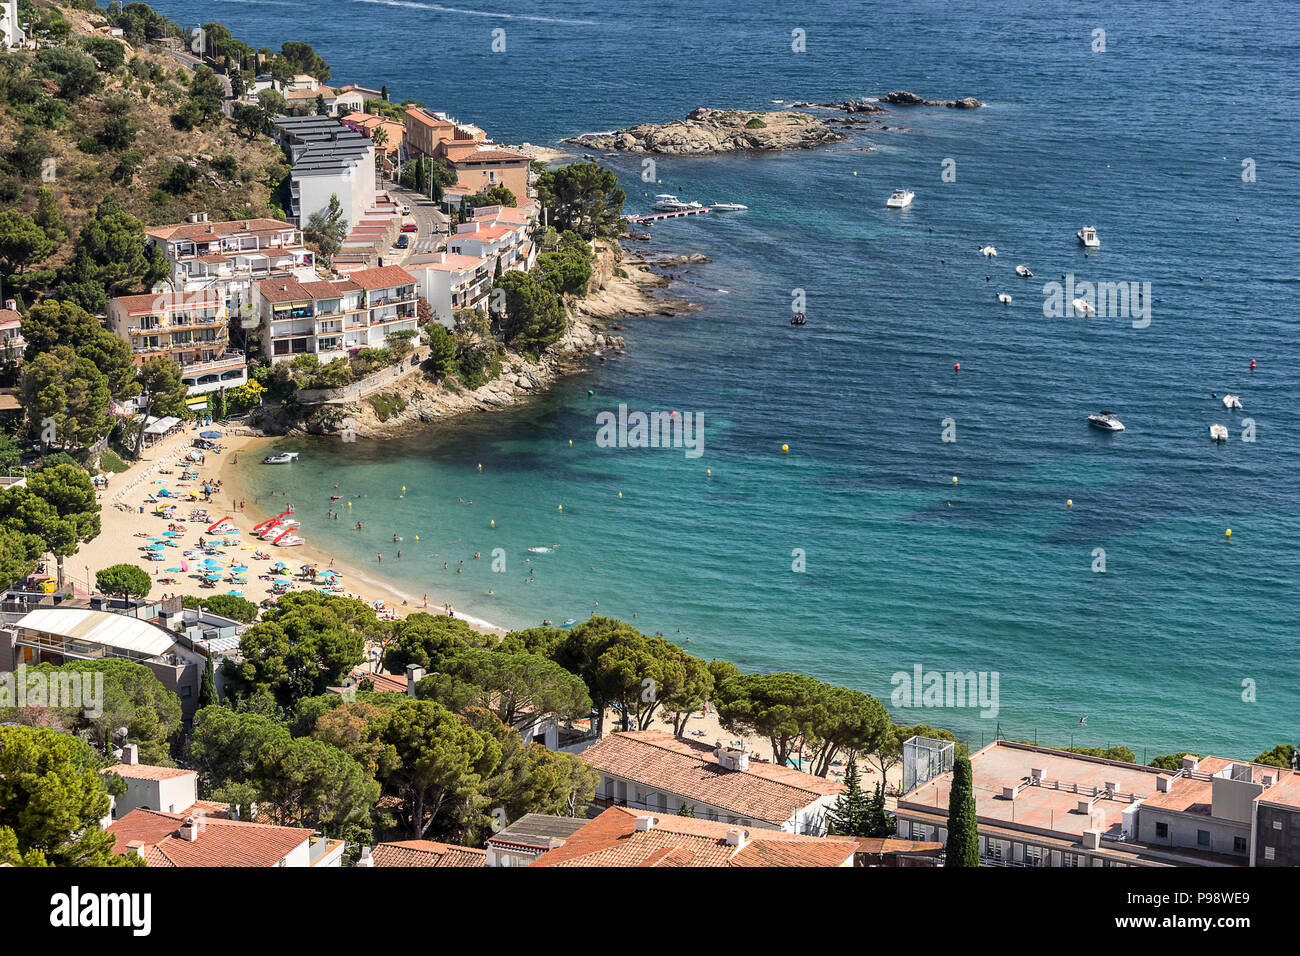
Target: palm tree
(380, 138)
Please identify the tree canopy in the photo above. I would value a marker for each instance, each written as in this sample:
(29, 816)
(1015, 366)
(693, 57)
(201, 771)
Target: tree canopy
(583, 197)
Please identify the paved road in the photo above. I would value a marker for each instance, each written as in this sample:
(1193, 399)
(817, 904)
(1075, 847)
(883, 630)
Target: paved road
(426, 214)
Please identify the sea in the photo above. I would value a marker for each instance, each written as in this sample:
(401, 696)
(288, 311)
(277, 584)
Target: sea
(862, 511)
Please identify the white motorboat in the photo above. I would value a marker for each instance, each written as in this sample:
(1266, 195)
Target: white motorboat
(1024, 271)
(1231, 401)
(1004, 298)
(900, 199)
(988, 252)
(729, 207)
(1088, 237)
(281, 459)
(1106, 421)
(1082, 307)
(1218, 433)
(666, 202)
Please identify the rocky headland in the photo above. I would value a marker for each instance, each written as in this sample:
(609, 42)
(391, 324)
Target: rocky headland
(707, 131)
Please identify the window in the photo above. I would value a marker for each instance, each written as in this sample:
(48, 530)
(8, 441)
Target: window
(186, 692)
(1238, 844)
(1034, 855)
(1277, 824)
(1268, 853)
(1162, 830)
(1203, 838)
(994, 850)
(1072, 859)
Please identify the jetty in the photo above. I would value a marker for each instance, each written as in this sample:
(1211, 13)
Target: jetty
(656, 216)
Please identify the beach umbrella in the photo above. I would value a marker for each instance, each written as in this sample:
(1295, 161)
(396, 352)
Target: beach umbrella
(211, 434)
(174, 570)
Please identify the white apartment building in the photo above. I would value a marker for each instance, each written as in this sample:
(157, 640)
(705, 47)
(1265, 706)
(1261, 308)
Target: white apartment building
(229, 256)
(448, 282)
(484, 238)
(192, 329)
(337, 317)
(329, 159)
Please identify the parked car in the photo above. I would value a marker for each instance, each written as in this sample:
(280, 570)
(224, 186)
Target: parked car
(403, 241)
(410, 227)
(406, 210)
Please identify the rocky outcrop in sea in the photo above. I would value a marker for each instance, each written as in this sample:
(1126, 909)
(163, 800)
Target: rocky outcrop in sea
(707, 131)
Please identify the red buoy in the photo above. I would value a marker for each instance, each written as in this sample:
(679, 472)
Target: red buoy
(956, 367)
(1252, 365)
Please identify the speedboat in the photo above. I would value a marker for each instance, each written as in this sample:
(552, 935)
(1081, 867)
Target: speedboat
(1082, 307)
(988, 252)
(540, 550)
(799, 319)
(666, 202)
(1024, 271)
(1231, 401)
(729, 207)
(1106, 421)
(1088, 237)
(281, 459)
(1218, 433)
(1004, 298)
(900, 199)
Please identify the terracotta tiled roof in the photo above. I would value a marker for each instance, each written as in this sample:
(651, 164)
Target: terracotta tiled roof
(427, 853)
(383, 278)
(452, 262)
(382, 682)
(8, 318)
(153, 302)
(220, 842)
(426, 120)
(144, 771)
(288, 289)
(612, 839)
(491, 156)
(199, 230)
(659, 760)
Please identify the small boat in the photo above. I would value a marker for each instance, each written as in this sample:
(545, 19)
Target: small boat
(1004, 298)
(570, 622)
(1024, 271)
(288, 540)
(1106, 421)
(900, 199)
(540, 550)
(1088, 237)
(988, 252)
(1082, 307)
(729, 207)
(666, 202)
(1231, 401)
(284, 458)
(1218, 433)
(799, 319)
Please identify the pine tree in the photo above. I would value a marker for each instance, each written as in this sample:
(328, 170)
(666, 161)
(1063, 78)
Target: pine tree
(208, 687)
(963, 836)
(850, 814)
(880, 822)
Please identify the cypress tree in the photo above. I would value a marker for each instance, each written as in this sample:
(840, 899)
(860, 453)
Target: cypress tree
(963, 837)
(208, 687)
(880, 822)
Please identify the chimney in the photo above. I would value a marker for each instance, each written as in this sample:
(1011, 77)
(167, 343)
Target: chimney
(413, 674)
(1163, 784)
(245, 223)
(366, 858)
(1190, 762)
(190, 829)
(134, 848)
(1036, 775)
(11, 305)
(645, 823)
(1091, 838)
(232, 811)
(130, 754)
(1084, 806)
(1008, 793)
(737, 838)
(1112, 787)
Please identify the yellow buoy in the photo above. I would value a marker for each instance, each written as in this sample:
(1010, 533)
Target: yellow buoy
(480, 467)
(855, 172)
(1069, 502)
(620, 494)
(786, 449)
(417, 537)
(708, 471)
(954, 479)
(570, 442)
(493, 522)
(403, 489)
(1228, 533)
(559, 507)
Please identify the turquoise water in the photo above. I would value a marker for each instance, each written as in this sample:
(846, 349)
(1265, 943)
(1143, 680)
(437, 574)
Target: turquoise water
(1145, 141)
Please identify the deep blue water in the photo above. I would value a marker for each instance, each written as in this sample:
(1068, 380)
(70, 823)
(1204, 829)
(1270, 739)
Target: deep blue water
(1145, 141)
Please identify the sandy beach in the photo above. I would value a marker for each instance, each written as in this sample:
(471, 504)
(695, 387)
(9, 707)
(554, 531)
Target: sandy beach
(129, 521)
